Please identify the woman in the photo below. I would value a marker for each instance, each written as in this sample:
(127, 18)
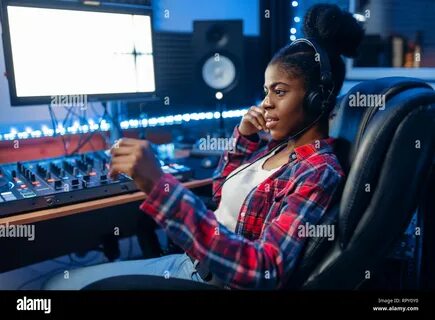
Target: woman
(267, 193)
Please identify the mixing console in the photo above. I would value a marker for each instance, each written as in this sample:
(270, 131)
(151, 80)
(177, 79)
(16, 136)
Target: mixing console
(38, 184)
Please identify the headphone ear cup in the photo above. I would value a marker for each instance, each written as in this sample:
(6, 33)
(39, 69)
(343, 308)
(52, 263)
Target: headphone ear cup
(313, 103)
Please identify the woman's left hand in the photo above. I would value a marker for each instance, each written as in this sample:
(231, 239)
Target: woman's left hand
(136, 159)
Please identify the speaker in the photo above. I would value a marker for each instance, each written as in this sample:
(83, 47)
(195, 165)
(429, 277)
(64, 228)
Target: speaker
(218, 62)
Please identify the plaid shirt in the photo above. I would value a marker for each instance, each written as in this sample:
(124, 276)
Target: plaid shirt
(264, 250)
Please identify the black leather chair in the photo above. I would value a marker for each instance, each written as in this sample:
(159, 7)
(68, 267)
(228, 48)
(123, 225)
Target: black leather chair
(387, 155)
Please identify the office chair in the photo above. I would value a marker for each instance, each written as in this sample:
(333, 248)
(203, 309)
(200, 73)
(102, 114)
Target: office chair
(388, 159)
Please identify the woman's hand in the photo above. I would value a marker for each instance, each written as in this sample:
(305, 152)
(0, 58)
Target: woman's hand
(253, 121)
(136, 159)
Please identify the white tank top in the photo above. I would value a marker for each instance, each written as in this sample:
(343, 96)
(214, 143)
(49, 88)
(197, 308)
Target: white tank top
(236, 189)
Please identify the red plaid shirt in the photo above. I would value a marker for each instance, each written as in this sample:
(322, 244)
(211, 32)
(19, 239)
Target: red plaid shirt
(266, 245)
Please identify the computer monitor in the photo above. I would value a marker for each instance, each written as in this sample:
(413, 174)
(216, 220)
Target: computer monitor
(55, 49)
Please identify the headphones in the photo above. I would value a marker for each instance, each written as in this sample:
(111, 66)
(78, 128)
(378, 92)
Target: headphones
(322, 95)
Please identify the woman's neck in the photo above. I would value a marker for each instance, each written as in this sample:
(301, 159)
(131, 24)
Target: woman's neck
(311, 135)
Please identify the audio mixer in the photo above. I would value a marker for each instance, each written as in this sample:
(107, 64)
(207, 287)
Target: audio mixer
(39, 184)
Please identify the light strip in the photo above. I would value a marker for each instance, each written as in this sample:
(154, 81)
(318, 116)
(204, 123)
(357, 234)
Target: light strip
(92, 125)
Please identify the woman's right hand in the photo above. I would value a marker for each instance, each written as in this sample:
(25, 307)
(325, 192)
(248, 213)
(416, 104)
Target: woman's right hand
(253, 121)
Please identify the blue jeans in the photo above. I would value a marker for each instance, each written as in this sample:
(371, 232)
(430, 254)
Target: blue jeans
(173, 266)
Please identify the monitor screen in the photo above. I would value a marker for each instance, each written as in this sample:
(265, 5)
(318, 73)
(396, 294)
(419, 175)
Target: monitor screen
(58, 52)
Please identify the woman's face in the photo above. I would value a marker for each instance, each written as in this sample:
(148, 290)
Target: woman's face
(283, 103)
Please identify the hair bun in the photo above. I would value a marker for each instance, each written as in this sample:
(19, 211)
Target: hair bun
(336, 30)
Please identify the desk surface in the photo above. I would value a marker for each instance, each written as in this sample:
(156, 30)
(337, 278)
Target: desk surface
(52, 213)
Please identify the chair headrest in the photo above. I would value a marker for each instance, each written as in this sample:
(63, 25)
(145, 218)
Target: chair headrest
(377, 135)
(350, 117)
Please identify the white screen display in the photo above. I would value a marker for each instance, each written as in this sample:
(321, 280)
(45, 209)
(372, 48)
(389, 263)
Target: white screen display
(66, 52)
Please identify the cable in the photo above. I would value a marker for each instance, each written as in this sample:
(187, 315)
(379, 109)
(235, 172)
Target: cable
(54, 123)
(106, 114)
(89, 137)
(65, 125)
(115, 123)
(105, 137)
(82, 143)
(81, 135)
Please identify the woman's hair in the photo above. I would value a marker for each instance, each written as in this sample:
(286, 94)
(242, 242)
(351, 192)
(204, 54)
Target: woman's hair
(337, 31)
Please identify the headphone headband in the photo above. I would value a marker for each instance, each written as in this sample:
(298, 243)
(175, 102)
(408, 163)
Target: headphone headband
(325, 66)
(327, 85)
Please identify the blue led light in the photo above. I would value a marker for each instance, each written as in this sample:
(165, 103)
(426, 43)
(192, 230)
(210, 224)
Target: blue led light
(47, 132)
(23, 135)
(169, 119)
(186, 117)
(161, 120)
(152, 122)
(84, 128)
(292, 37)
(295, 3)
(94, 126)
(133, 123)
(242, 112)
(36, 134)
(103, 125)
(297, 19)
(60, 130)
(293, 30)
